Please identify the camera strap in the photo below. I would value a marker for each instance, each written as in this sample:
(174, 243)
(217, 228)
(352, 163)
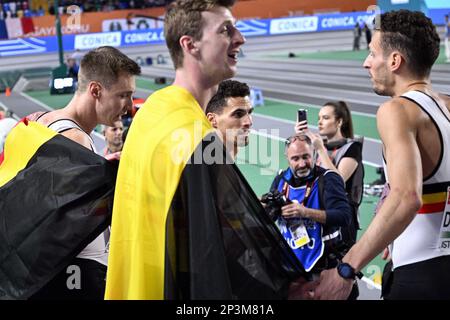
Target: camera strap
(285, 189)
(309, 186)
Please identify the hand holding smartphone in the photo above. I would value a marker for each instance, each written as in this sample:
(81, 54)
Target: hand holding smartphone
(302, 121)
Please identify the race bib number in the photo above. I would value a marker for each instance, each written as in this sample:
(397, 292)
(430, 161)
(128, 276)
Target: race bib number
(444, 234)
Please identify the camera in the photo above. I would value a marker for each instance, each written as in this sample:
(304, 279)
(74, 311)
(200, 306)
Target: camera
(274, 201)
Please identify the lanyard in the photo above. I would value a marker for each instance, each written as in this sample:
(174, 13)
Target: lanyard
(309, 186)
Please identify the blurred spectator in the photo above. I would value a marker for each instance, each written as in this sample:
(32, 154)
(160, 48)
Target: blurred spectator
(114, 142)
(115, 26)
(356, 36)
(13, 9)
(123, 5)
(77, 55)
(130, 22)
(40, 12)
(72, 69)
(368, 33)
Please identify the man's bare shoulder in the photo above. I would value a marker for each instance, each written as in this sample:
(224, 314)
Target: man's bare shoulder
(78, 136)
(397, 117)
(394, 107)
(45, 118)
(35, 116)
(399, 109)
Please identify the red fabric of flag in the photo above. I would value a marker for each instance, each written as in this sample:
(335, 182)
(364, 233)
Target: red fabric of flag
(27, 25)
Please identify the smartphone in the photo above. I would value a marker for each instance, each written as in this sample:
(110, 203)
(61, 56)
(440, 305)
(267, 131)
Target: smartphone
(302, 115)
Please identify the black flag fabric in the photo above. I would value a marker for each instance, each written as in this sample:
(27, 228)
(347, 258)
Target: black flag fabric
(233, 249)
(55, 198)
(186, 224)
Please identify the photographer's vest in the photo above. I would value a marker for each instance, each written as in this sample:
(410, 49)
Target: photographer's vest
(421, 240)
(309, 195)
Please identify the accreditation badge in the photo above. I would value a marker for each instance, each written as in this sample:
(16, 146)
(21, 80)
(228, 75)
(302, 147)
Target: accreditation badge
(444, 234)
(299, 234)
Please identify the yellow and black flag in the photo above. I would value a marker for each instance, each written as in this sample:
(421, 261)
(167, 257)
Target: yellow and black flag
(55, 198)
(186, 224)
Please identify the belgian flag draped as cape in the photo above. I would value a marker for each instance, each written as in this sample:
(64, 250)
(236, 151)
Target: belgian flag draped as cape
(55, 198)
(186, 224)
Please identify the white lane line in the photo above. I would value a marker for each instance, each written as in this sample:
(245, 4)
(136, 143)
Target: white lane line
(5, 108)
(43, 105)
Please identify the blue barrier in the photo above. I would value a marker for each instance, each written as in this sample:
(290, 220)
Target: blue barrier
(254, 27)
(86, 41)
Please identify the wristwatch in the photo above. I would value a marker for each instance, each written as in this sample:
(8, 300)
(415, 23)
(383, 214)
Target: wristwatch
(346, 271)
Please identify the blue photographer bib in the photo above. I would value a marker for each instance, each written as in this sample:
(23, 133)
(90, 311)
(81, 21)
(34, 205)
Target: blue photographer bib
(307, 253)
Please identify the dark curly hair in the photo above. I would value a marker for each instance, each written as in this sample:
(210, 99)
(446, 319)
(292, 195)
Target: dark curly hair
(227, 89)
(412, 34)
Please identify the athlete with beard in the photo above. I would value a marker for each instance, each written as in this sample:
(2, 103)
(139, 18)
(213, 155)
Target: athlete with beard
(415, 131)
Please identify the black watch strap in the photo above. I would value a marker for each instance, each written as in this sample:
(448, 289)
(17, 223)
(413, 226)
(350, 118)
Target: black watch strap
(359, 275)
(346, 271)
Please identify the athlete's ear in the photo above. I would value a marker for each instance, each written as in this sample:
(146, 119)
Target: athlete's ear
(188, 44)
(396, 60)
(95, 89)
(212, 119)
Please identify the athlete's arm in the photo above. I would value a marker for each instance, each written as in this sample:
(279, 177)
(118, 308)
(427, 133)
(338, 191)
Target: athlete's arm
(397, 127)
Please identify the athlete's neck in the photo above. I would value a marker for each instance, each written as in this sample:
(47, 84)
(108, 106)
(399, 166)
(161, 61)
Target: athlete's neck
(419, 85)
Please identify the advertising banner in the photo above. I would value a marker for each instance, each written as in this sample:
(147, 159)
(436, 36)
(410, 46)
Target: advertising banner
(319, 23)
(249, 28)
(294, 25)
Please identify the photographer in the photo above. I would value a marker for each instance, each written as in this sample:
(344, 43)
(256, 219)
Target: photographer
(314, 209)
(342, 152)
